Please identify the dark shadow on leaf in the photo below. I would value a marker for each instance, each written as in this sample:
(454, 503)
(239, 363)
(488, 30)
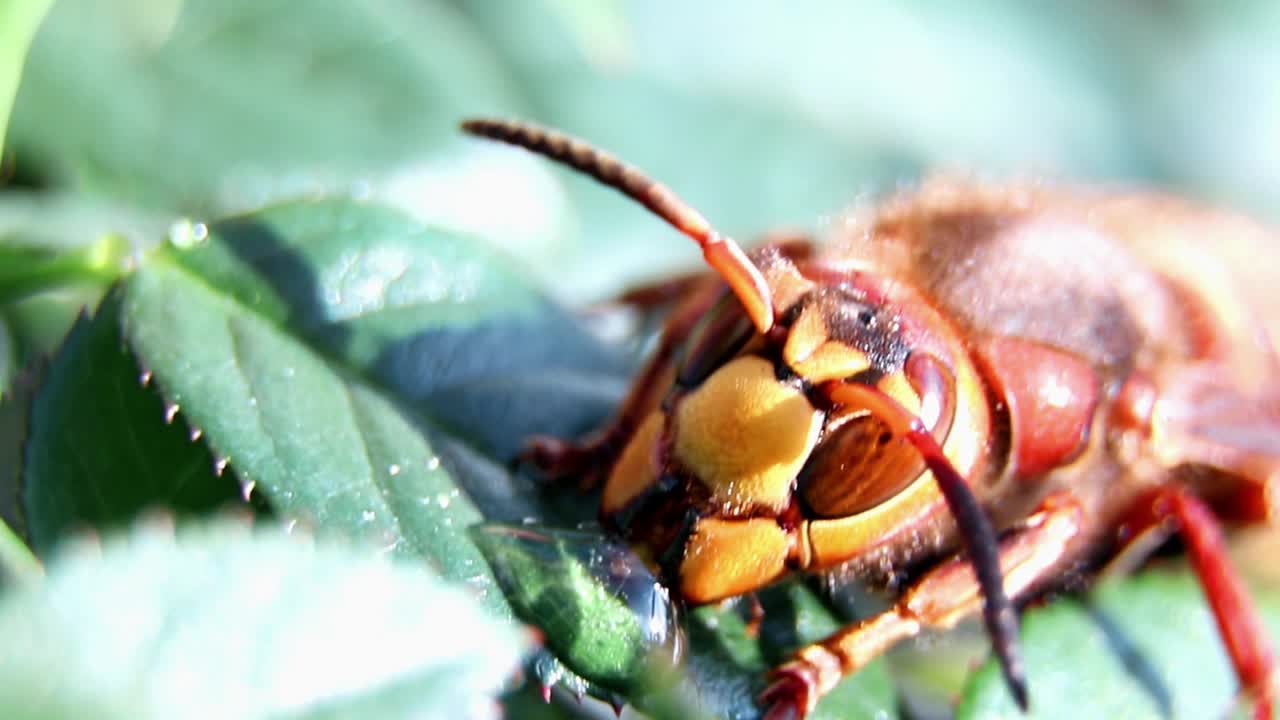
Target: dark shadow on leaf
(499, 382)
(779, 632)
(495, 378)
(261, 247)
(477, 387)
(1143, 673)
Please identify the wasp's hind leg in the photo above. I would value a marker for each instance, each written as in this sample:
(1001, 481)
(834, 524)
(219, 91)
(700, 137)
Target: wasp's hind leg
(1243, 633)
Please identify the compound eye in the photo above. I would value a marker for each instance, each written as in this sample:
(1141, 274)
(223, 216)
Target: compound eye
(856, 467)
(935, 387)
(716, 339)
(861, 462)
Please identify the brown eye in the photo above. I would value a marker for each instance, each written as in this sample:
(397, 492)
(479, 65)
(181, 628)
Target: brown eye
(856, 467)
(718, 338)
(860, 463)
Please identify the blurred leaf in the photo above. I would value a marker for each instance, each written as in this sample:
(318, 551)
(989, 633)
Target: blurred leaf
(798, 115)
(15, 416)
(58, 254)
(210, 106)
(990, 87)
(8, 358)
(794, 617)
(18, 22)
(70, 222)
(28, 270)
(749, 168)
(205, 103)
(526, 703)
(39, 323)
(1207, 109)
(1145, 647)
(17, 564)
(221, 622)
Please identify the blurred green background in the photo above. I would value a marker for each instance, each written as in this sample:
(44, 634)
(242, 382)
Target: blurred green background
(764, 114)
(138, 120)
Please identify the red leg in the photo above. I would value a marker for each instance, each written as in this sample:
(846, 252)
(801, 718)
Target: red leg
(1242, 631)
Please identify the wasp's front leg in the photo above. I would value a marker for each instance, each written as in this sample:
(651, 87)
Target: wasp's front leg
(589, 457)
(938, 600)
(696, 298)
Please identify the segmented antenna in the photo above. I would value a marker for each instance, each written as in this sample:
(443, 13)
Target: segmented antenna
(722, 253)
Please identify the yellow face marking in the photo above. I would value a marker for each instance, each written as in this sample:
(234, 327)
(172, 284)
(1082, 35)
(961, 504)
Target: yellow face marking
(725, 558)
(814, 356)
(745, 435)
(832, 361)
(807, 334)
(637, 467)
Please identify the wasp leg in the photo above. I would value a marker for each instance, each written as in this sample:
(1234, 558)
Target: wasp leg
(1238, 622)
(938, 600)
(655, 295)
(589, 457)
(791, 245)
(755, 615)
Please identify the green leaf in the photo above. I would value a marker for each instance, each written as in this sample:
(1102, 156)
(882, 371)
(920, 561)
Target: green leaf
(438, 319)
(238, 98)
(8, 358)
(794, 616)
(319, 443)
(70, 222)
(1145, 647)
(320, 351)
(224, 622)
(606, 618)
(100, 446)
(38, 324)
(18, 22)
(26, 270)
(15, 414)
(600, 609)
(59, 252)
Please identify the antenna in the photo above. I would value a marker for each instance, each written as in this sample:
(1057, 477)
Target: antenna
(724, 255)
